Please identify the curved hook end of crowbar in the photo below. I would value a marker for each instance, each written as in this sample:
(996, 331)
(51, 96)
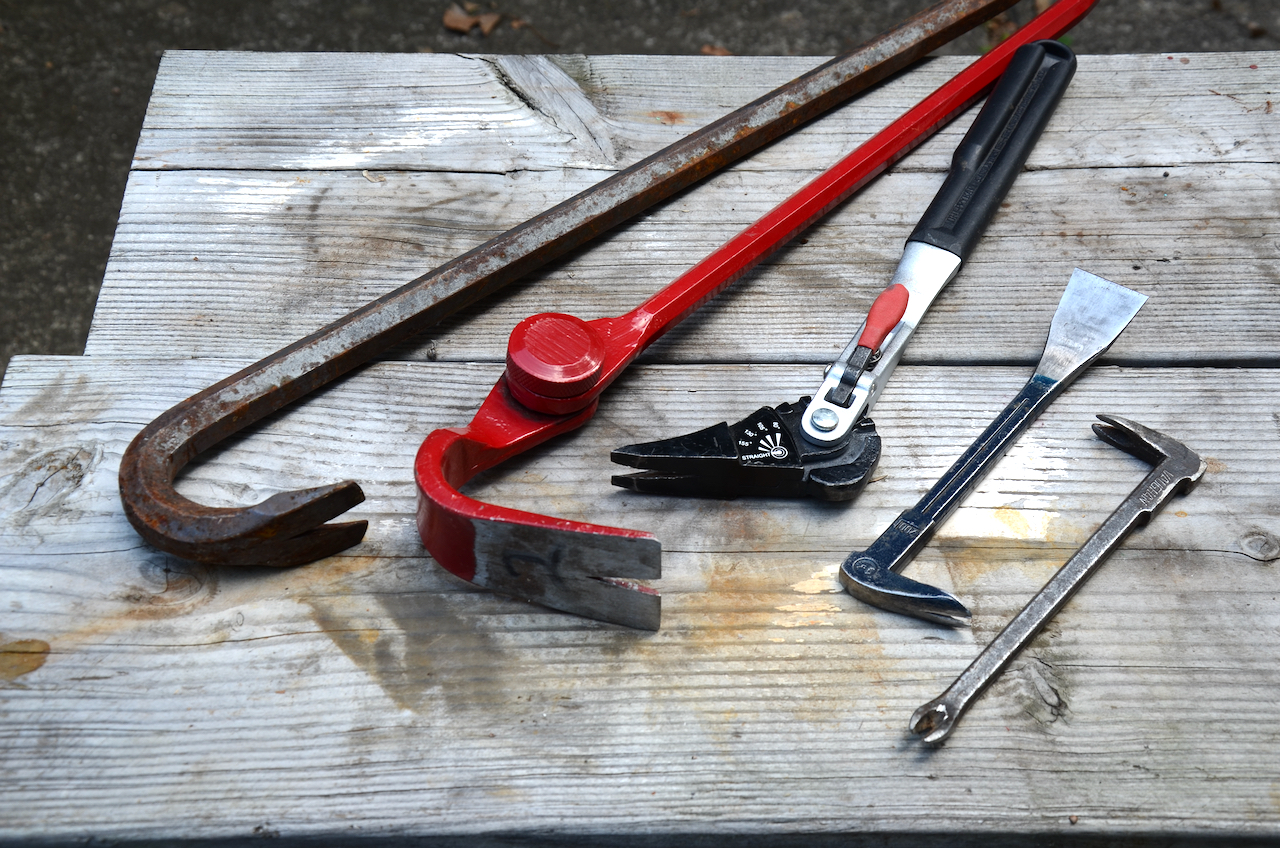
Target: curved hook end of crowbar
(571, 566)
(284, 530)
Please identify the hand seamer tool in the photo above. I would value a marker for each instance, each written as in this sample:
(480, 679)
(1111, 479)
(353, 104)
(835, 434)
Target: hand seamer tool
(826, 447)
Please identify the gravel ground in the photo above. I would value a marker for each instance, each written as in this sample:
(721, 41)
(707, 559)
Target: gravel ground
(75, 76)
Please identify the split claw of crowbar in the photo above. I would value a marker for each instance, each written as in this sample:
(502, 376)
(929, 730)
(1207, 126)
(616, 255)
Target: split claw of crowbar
(558, 365)
(284, 530)
(288, 528)
(566, 565)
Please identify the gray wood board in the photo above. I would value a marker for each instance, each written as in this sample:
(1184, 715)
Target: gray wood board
(220, 242)
(143, 697)
(497, 114)
(372, 693)
(201, 256)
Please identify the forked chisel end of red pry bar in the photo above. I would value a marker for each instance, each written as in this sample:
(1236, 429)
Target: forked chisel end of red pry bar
(571, 566)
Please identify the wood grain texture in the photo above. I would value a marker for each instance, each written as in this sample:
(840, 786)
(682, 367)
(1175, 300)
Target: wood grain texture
(491, 114)
(199, 256)
(372, 695)
(374, 690)
(290, 252)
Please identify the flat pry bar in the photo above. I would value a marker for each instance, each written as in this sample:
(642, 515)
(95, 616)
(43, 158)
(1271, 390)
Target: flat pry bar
(587, 569)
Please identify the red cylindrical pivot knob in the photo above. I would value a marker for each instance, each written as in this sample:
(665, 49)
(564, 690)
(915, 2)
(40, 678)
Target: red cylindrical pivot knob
(553, 356)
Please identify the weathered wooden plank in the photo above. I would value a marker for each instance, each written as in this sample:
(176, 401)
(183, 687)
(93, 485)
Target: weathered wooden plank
(238, 264)
(1059, 474)
(496, 114)
(371, 693)
(397, 713)
(375, 690)
(1043, 499)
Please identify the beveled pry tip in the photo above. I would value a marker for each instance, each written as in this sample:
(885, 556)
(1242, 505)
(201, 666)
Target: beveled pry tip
(875, 583)
(952, 616)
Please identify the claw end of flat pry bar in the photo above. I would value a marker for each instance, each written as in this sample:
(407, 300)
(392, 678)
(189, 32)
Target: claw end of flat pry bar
(871, 581)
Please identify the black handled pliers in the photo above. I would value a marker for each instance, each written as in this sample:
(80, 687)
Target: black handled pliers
(824, 446)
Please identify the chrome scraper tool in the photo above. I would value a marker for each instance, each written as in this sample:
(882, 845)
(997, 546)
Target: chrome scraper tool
(1091, 315)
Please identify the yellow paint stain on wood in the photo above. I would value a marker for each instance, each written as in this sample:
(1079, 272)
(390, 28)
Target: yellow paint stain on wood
(820, 583)
(22, 657)
(1014, 520)
(804, 622)
(813, 606)
(812, 614)
(1003, 522)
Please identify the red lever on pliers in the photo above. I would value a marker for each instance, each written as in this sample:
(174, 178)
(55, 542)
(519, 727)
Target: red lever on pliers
(557, 366)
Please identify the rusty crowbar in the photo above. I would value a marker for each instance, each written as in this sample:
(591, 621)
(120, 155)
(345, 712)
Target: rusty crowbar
(288, 528)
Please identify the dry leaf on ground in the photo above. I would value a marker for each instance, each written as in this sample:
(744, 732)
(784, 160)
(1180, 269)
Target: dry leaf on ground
(457, 19)
(521, 23)
(714, 50)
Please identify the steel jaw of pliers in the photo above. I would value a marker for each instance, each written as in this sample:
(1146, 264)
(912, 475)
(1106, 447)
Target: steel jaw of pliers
(765, 455)
(558, 365)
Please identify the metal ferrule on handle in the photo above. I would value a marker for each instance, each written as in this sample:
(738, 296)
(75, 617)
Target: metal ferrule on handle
(924, 271)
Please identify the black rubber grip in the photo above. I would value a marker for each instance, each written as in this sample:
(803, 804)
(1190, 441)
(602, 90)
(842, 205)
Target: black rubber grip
(996, 147)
